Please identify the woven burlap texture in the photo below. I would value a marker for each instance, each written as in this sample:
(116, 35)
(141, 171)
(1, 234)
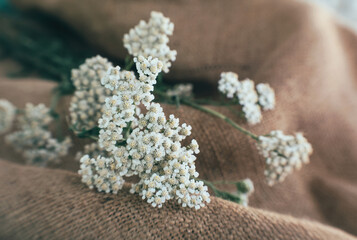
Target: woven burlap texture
(59, 206)
(309, 60)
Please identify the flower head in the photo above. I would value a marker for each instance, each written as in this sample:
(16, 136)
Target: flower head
(89, 74)
(151, 39)
(7, 115)
(35, 116)
(86, 104)
(34, 141)
(228, 84)
(245, 93)
(283, 154)
(100, 172)
(247, 96)
(266, 96)
(144, 144)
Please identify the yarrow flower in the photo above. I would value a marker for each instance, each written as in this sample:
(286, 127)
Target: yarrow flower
(86, 104)
(151, 39)
(228, 84)
(34, 141)
(283, 154)
(35, 116)
(247, 96)
(144, 144)
(7, 115)
(266, 96)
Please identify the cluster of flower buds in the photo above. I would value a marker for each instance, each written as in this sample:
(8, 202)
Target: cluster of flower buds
(283, 154)
(247, 95)
(34, 141)
(86, 104)
(7, 115)
(144, 144)
(151, 39)
(266, 96)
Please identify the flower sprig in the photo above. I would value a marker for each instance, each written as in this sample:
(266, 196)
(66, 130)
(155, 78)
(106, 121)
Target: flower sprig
(144, 144)
(148, 145)
(115, 107)
(34, 140)
(282, 153)
(244, 189)
(151, 39)
(250, 99)
(89, 96)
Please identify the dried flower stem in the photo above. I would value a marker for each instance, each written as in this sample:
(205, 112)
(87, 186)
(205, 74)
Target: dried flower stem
(244, 189)
(129, 63)
(54, 102)
(221, 116)
(213, 113)
(225, 182)
(208, 183)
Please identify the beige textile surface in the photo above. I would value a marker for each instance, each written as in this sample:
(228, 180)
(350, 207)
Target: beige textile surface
(59, 206)
(309, 60)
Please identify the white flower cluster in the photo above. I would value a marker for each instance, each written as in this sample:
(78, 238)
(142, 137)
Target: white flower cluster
(86, 104)
(7, 115)
(102, 173)
(228, 84)
(181, 90)
(144, 144)
(35, 116)
(266, 96)
(34, 140)
(247, 95)
(151, 39)
(283, 154)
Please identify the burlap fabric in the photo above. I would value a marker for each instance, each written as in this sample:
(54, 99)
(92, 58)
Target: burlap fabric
(299, 50)
(211, 36)
(60, 207)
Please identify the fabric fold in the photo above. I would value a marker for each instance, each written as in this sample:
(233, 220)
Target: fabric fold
(54, 204)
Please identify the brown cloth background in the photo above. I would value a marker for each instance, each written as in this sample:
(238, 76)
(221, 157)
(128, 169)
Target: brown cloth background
(309, 60)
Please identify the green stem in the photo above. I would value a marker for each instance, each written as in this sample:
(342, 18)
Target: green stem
(54, 102)
(53, 106)
(224, 182)
(127, 131)
(239, 114)
(94, 137)
(161, 94)
(177, 100)
(221, 116)
(20, 111)
(214, 103)
(208, 183)
(197, 101)
(129, 64)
